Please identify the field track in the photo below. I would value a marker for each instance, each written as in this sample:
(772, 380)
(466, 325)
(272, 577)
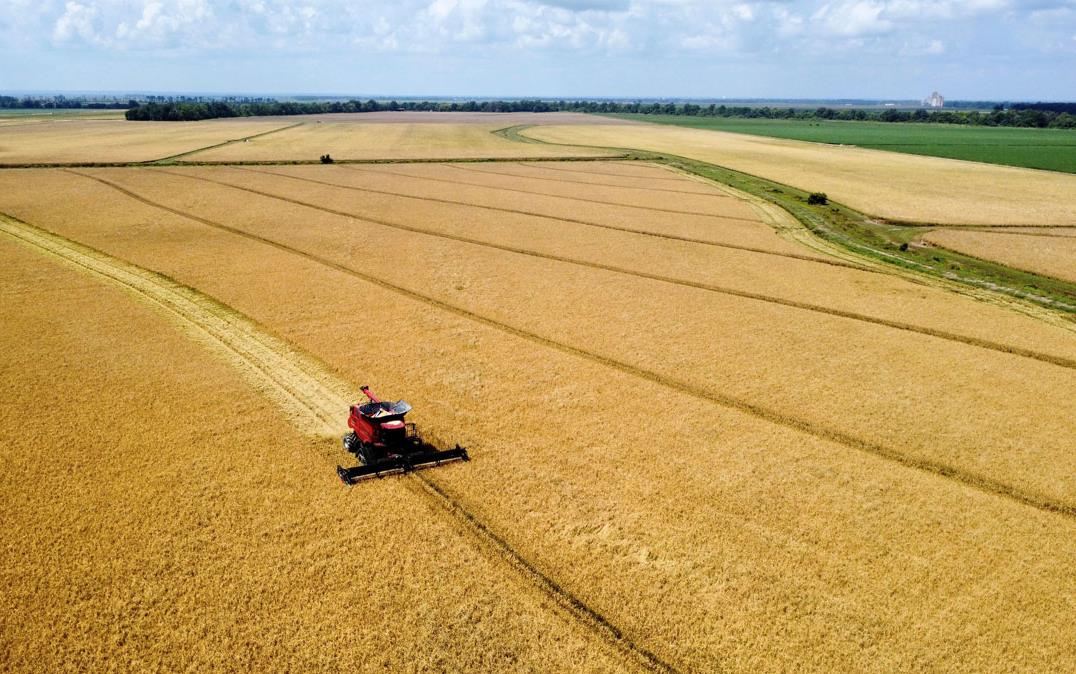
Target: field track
(577, 221)
(821, 431)
(585, 182)
(771, 299)
(227, 142)
(542, 194)
(312, 398)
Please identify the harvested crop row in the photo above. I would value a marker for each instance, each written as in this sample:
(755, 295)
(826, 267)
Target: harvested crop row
(162, 552)
(747, 546)
(1049, 255)
(785, 371)
(357, 140)
(886, 184)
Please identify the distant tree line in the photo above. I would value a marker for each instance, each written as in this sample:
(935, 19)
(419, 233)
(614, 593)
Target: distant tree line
(61, 102)
(1038, 115)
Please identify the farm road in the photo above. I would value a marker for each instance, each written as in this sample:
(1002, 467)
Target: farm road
(313, 400)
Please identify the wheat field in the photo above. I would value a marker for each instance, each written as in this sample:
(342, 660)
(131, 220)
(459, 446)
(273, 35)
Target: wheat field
(743, 456)
(1043, 251)
(160, 516)
(884, 184)
(117, 140)
(388, 140)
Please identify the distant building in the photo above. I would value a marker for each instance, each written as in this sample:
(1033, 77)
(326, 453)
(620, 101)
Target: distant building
(935, 100)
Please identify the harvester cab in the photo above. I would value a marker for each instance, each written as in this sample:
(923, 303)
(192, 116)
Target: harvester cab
(385, 443)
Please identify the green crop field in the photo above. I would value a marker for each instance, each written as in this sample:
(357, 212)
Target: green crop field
(1051, 149)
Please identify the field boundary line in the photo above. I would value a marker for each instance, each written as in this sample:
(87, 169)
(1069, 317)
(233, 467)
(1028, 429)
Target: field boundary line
(1059, 361)
(577, 221)
(979, 482)
(173, 157)
(541, 194)
(1001, 231)
(604, 173)
(306, 162)
(582, 182)
(307, 388)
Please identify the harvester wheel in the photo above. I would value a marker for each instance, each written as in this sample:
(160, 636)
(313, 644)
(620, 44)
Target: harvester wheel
(351, 442)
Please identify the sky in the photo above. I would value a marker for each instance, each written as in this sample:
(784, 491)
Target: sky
(877, 49)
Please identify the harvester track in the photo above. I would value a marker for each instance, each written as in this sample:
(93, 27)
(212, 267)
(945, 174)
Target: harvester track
(313, 399)
(1060, 361)
(600, 173)
(618, 204)
(980, 482)
(708, 193)
(577, 221)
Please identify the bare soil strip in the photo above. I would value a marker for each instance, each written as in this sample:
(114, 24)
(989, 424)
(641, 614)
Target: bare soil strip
(588, 223)
(940, 334)
(312, 397)
(541, 194)
(577, 182)
(958, 475)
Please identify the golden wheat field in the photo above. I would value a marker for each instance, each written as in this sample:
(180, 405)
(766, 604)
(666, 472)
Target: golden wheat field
(116, 140)
(392, 140)
(884, 184)
(159, 516)
(696, 445)
(1042, 251)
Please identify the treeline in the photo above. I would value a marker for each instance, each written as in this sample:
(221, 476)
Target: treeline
(1027, 115)
(61, 102)
(1049, 107)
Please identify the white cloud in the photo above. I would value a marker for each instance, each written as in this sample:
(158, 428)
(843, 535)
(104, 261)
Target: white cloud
(659, 28)
(853, 19)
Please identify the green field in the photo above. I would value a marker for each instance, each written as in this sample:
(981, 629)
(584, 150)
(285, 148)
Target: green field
(1051, 149)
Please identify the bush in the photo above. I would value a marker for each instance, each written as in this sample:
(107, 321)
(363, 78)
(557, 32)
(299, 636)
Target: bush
(818, 199)
(326, 159)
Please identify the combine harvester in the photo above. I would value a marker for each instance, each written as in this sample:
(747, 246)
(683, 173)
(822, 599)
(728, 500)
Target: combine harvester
(385, 444)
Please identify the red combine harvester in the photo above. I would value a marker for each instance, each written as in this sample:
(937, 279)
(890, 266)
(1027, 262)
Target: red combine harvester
(385, 444)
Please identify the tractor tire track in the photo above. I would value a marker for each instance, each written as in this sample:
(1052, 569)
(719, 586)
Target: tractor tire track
(314, 398)
(708, 193)
(600, 173)
(580, 182)
(967, 478)
(1059, 361)
(576, 221)
(656, 209)
(996, 231)
(174, 157)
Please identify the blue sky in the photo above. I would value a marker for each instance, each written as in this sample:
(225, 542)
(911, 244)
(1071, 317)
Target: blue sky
(974, 49)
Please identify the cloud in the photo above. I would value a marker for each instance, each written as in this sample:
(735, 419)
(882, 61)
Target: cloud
(509, 28)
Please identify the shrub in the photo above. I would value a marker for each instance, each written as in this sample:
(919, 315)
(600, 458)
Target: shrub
(818, 199)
